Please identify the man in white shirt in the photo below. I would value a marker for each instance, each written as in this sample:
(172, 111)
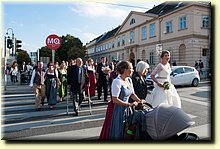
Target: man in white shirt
(37, 80)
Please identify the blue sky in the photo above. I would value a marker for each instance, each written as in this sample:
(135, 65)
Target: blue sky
(32, 22)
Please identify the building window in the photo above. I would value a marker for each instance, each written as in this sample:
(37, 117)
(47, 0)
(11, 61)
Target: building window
(118, 40)
(183, 22)
(122, 56)
(204, 52)
(113, 44)
(123, 40)
(132, 21)
(205, 21)
(144, 32)
(152, 30)
(143, 55)
(109, 45)
(169, 27)
(132, 37)
(151, 58)
(182, 53)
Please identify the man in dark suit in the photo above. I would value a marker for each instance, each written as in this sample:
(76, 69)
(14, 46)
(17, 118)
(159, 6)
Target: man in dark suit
(76, 82)
(102, 79)
(23, 69)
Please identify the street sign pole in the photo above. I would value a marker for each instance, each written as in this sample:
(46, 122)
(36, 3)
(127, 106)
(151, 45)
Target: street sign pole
(53, 56)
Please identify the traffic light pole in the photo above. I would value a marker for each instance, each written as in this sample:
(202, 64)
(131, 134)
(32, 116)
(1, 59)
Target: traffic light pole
(5, 72)
(5, 75)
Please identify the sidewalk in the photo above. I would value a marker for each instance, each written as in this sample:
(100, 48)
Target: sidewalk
(93, 134)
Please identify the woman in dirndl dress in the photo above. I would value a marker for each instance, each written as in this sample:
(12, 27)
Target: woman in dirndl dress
(63, 80)
(51, 84)
(92, 78)
(122, 89)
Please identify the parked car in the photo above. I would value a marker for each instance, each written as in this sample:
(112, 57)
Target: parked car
(181, 75)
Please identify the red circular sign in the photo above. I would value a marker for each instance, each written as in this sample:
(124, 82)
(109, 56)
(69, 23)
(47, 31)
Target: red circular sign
(53, 42)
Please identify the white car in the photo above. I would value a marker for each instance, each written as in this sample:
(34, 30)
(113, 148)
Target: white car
(181, 75)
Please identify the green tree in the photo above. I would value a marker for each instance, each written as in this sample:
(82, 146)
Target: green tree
(23, 56)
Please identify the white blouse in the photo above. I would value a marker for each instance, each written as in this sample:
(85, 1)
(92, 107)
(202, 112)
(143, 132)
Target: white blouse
(118, 82)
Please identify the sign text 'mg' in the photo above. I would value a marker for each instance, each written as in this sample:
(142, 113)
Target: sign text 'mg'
(53, 42)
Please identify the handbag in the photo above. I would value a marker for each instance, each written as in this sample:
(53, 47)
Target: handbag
(129, 128)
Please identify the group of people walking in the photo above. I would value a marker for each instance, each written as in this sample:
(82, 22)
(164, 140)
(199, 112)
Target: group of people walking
(82, 79)
(14, 70)
(128, 88)
(45, 84)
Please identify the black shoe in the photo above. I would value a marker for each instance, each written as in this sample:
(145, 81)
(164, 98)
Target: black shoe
(38, 109)
(42, 103)
(99, 99)
(105, 100)
(76, 113)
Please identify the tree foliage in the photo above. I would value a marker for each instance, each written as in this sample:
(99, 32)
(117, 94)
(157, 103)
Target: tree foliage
(23, 56)
(71, 48)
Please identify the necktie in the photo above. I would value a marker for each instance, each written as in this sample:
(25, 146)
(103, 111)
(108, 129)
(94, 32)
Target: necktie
(79, 75)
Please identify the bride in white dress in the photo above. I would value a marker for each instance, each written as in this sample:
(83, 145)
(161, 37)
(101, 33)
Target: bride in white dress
(159, 94)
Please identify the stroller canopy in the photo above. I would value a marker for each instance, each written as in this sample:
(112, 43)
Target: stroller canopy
(165, 121)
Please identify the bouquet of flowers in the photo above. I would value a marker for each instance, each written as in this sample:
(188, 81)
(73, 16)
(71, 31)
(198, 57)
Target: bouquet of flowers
(106, 70)
(166, 85)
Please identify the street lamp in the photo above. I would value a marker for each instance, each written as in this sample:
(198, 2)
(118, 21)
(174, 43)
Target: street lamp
(12, 39)
(8, 37)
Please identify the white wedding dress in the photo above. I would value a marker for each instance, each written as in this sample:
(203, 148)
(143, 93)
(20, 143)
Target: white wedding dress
(159, 95)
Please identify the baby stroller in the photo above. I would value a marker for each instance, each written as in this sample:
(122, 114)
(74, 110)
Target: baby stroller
(24, 77)
(161, 123)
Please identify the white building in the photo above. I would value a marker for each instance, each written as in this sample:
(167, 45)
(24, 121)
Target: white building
(33, 56)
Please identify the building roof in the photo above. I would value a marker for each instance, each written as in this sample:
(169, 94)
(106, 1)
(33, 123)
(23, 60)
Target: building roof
(107, 35)
(166, 7)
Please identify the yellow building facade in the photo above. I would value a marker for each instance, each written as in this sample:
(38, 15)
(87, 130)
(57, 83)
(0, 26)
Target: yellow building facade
(183, 28)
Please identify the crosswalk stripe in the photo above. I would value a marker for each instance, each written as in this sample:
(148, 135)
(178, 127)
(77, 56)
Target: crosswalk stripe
(196, 101)
(44, 113)
(191, 116)
(69, 135)
(17, 95)
(47, 123)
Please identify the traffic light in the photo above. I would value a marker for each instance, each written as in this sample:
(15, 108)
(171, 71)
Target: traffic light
(9, 43)
(18, 45)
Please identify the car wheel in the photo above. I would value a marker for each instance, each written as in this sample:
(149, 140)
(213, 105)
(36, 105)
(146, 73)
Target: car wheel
(195, 82)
